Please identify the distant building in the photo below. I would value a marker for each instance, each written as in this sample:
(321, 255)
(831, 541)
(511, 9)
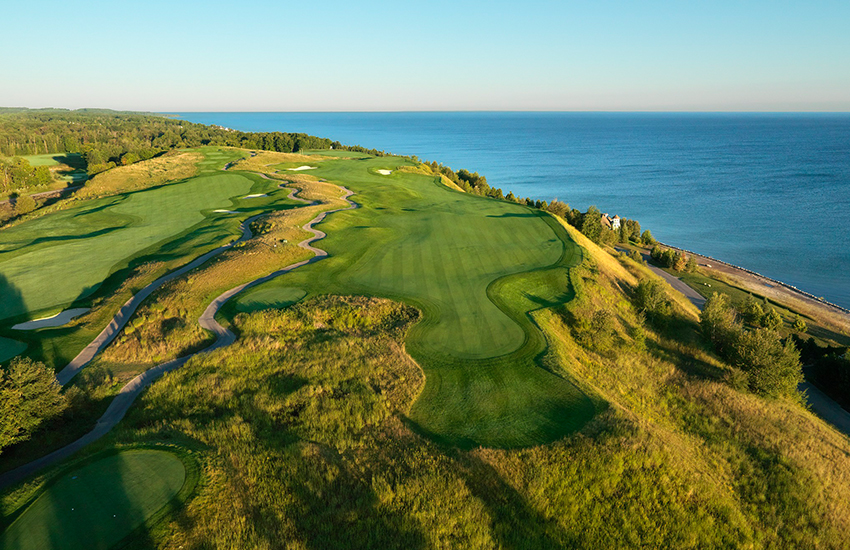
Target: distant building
(611, 223)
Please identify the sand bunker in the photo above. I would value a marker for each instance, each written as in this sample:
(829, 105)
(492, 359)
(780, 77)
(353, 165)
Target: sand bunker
(255, 196)
(220, 211)
(302, 168)
(57, 320)
(384, 172)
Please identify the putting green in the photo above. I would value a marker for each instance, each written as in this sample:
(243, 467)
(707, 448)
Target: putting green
(477, 269)
(267, 298)
(99, 504)
(10, 348)
(60, 257)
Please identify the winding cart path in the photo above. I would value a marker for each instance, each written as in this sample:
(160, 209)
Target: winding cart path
(224, 337)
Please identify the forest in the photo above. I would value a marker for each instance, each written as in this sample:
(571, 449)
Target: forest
(111, 138)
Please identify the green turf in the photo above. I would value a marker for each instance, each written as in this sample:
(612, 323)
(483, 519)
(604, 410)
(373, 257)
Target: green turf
(98, 505)
(51, 159)
(476, 268)
(76, 173)
(10, 348)
(271, 297)
(60, 257)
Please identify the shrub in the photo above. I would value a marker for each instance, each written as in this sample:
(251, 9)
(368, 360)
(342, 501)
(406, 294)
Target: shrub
(800, 325)
(24, 205)
(772, 320)
(652, 300)
(773, 368)
(751, 311)
(719, 324)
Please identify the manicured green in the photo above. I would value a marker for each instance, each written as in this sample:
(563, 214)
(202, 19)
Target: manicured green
(77, 173)
(10, 348)
(57, 258)
(98, 505)
(50, 159)
(271, 297)
(476, 268)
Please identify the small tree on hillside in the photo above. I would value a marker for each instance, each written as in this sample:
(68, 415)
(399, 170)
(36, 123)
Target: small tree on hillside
(29, 395)
(772, 320)
(772, 369)
(647, 239)
(751, 311)
(800, 325)
(718, 322)
(652, 300)
(24, 205)
(591, 224)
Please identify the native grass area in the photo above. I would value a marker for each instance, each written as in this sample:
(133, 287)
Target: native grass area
(358, 410)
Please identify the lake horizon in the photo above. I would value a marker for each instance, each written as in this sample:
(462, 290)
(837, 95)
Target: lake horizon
(768, 191)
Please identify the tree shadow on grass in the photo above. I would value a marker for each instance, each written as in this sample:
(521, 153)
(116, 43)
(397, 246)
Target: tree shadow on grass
(12, 301)
(516, 524)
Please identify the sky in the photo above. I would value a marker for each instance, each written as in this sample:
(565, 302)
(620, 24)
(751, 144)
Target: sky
(255, 55)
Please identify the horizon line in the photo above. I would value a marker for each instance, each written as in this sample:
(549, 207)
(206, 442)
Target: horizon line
(378, 111)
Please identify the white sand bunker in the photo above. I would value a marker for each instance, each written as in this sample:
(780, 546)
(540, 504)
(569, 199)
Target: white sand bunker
(302, 168)
(227, 211)
(384, 172)
(255, 196)
(57, 320)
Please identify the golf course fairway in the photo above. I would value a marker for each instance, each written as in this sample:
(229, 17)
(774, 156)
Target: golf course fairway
(58, 258)
(96, 506)
(476, 268)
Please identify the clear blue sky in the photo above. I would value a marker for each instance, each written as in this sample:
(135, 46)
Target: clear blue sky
(258, 55)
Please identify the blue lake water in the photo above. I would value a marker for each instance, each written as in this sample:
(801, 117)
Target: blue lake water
(770, 192)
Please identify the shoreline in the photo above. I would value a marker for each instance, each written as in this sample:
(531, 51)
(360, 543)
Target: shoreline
(766, 282)
(776, 282)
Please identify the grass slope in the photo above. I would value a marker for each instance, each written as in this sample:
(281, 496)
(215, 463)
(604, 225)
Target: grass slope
(446, 253)
(10, 348)
(99, 504)
(60, 257)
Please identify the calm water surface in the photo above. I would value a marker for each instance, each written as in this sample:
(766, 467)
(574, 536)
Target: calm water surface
(770, 192)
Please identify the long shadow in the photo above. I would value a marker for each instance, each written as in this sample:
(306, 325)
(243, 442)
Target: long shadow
(516, 524)
(11, 300)
(514, 215)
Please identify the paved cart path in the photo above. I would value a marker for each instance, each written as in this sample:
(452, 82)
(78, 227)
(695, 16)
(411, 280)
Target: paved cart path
(224, 337)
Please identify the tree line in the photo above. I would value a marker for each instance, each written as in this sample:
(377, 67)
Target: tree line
(109, 138)
(17, 174)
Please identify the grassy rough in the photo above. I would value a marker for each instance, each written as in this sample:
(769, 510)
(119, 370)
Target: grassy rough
(305, 445)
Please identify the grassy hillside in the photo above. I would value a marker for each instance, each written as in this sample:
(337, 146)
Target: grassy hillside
(475, 268)
(351, 419)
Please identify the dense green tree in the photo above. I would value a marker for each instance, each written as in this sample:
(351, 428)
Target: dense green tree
(29, 396)
(632, 227)
(652, 300)
(647, 238)
(591, 224)
(719, 324)
(773, 368)
(751, 311)
(559, 208)
(772, 320)
(24, 205)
